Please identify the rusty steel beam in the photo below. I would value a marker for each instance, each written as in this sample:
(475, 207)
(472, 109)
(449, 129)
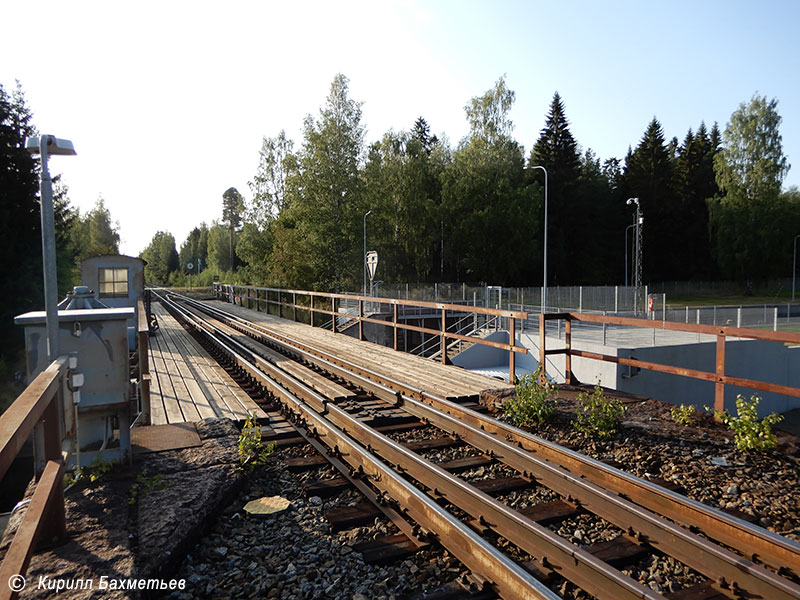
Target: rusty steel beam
(741, 332)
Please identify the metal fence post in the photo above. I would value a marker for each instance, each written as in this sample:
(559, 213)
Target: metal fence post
(775, 320)
(739, 317)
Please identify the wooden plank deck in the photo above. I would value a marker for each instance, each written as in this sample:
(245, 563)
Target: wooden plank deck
(186, 383)
(425, 374)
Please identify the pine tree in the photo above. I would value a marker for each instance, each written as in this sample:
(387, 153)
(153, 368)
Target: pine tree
(557, 151)
(649, 177)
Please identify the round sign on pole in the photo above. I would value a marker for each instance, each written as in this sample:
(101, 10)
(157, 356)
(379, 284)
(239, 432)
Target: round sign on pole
(190, 266)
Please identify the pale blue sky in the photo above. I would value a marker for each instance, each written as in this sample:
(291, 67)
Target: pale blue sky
(167, 102)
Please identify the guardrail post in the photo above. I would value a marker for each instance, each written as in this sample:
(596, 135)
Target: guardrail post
(333, 314)
(294, 306)
(311, 308)
(568, 348)
(394, 326)
(719, 391)
(444, 339)
(512, 372)
(542, 353)
(360, 319)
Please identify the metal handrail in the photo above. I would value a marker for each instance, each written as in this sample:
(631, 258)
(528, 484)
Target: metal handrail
(718, 376)
(246, 295)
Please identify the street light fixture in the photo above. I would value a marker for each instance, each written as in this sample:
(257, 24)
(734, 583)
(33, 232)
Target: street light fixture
(46, 145)
(544, 283)
(364, 289)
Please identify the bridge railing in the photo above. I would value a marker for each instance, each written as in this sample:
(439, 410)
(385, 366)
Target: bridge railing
(44, 409)
(718, 376)
(288, 302)
(143, 347)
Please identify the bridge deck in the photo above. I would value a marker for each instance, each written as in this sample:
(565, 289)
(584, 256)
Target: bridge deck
(187, 384)
(423, 373)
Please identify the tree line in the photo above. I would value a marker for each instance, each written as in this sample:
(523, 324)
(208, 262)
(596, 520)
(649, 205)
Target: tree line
(713, 204)
(78, 235)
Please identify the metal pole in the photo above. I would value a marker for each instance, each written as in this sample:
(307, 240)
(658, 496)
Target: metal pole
(48, 253)
(626, 252)
(794, 265)
(544, 284)
(364, 289)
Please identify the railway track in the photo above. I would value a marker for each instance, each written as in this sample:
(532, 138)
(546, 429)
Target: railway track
(342, 410)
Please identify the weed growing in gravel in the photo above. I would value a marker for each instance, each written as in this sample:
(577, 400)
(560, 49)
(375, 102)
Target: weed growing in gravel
(144, 485)
(252, 453)
(533, 402)
(750, 433)
(683, 414)
(598, 415)
(93, 472)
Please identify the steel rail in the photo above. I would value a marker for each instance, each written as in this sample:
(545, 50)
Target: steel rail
(774, 550)
(508, 578)
(552, 550)
(628, 485)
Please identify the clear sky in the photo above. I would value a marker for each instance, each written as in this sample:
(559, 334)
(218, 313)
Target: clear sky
(167, 102)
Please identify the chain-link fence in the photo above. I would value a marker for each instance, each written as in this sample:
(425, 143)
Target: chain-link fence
(620, 300)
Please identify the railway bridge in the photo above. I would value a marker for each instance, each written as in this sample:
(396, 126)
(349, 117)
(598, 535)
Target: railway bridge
(414, 438)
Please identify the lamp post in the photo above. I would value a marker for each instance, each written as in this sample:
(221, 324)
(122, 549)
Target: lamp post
(637, 249)
(626, 253)
(44, 146)
(364, 289)
(544, 282)
(794, 265)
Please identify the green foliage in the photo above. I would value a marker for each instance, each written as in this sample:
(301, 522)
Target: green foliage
(598, 415)
(161, 257)
(252, 452)
(94, 234)
(143, 485)
(750, 432)
(533, 403)
(194, 249)
(683, 414)
(92, 473)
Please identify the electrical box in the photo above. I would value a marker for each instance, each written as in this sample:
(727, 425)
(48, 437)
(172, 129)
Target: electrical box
(99, 336)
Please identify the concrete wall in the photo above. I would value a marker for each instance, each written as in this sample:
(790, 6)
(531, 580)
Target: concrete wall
(749, 359)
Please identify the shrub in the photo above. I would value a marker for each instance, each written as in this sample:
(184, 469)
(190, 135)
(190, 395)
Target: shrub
(750, 433)
(144, 485)
(683, 414)
(252, 452)
(533, 402)
(598, 415)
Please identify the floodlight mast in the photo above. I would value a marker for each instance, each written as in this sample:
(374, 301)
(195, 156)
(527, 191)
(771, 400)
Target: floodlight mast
(45, 145)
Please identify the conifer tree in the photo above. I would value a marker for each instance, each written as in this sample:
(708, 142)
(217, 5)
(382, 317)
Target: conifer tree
(557, 151)
(649, 177)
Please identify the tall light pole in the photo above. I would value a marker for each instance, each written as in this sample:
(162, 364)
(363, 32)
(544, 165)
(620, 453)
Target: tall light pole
(637, 248)
(544, 282)
(45, 145)
(626, 253)
(364, 289)
(794, 265)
